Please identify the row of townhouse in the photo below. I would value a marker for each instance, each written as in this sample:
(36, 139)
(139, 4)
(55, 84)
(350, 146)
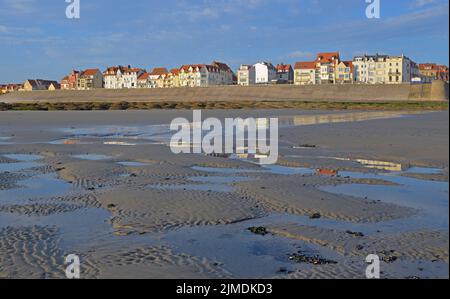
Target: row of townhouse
(83, 80)
(329, 68)
(433, 71)
(191, 75)
(370, 69)
(121, 77)
(7, 88)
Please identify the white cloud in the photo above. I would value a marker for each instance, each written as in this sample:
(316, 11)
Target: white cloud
(421, 3)
(18, 7)
(300, 54)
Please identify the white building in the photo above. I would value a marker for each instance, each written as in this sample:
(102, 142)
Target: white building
(204, 75)
(113, 77)
(384, 69)
(305, 73)
(118, 77)
(246, 75)
(154, 76)
(130, 77)
(370, 69)
(265, 73)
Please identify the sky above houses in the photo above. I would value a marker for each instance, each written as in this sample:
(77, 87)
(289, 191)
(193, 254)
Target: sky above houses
(38, 41)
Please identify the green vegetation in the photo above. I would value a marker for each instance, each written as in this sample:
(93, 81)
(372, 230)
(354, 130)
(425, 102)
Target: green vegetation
(305, 105)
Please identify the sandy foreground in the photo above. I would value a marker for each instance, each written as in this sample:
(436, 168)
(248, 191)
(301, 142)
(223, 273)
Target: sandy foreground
(105, 186)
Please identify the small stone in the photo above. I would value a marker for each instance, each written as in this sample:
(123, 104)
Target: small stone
(315, 216)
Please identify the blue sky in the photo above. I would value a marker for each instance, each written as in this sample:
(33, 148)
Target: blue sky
(38, 41)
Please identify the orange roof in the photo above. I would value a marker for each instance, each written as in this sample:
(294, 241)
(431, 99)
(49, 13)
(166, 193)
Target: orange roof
(90, 72)
(159, 71)
(327, 56)
(430, 66)
(144, 76)
(305, 65)
(283, 67)
(176, 72)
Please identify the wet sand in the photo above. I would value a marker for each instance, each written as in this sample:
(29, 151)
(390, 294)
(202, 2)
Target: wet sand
(105, 186)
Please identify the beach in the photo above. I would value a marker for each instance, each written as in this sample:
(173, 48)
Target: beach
(104, 185)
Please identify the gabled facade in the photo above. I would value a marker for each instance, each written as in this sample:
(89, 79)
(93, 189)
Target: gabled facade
(154, 77)
(265, 73)
(305, 73)
(433, 71)
(70, 82)
(7, 88)
(38, 84)
(325, 67)
(170, 79)
(344, 72)
(193, 75)
(285, 74)
(90, 79)
(118, 77)
(113, 77)
(130, 77)
(143, 81)
(225, 74)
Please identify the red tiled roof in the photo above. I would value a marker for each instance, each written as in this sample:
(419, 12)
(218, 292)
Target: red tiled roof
(159, 71)
(327, 56)
(283, 67)
(305, 65)
(144, 76)
(90, 72)
(221, 65)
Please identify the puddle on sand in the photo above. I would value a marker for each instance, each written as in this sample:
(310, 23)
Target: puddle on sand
(19, 166)
(273, 169)
(219, 179)
(423, 170)
(23, 157)
(25, 162)
(194, 187)
(92, 157)
(5, 140)
(429, 197)
(40, 186)
(132, 164)
(244, 254)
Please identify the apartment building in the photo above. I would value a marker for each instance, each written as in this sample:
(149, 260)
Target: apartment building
(265, 73)
(433, 71)
(204, 75)
(285, 74)
(117, 77)
(70, 82)
(370, 69)
(130, 77)
(90, 79)
(305, 73)
(155, 75)
(246, 75)
(325, 67)
(344, 72)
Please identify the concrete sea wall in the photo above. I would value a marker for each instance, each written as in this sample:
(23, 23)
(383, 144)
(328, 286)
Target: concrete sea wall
(437, 91)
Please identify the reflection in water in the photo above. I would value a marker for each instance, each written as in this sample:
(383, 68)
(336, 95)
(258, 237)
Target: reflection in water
(381, 165)
(92, 157)
(306, 120)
